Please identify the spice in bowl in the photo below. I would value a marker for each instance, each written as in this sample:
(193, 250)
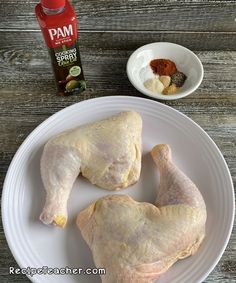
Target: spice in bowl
(178, 79)
(163, 67)
(154, 85)
(167, 78)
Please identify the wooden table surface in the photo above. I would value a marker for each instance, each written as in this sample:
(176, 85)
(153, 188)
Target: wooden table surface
(109, 32)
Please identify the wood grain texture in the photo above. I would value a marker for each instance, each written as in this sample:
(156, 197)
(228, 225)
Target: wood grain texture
(150, 15)
(27, 70)
(109, 32)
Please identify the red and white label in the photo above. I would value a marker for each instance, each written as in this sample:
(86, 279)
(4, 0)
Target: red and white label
(62, 35)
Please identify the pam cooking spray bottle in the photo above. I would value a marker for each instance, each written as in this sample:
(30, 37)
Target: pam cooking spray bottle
(59, 26)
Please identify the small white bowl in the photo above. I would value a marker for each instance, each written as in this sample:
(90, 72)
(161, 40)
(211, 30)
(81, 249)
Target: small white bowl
(139, 70)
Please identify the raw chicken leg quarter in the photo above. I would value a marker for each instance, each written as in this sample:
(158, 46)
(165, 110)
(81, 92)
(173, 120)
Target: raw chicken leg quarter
(137, 242)
(107, 153)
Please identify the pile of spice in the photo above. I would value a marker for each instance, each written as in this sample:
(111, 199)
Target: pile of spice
(167, 78)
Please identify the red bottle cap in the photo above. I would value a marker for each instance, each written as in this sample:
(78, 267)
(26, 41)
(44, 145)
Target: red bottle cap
(53, 4)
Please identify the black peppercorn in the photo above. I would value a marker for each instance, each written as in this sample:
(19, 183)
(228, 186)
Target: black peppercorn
(178, 79)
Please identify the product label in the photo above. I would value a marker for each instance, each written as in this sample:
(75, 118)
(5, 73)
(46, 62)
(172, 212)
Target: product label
(61, 35)
(64, 50)
(66, 57)
(67, 68)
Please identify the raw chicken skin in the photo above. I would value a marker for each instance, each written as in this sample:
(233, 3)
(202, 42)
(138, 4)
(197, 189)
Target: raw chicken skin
(137, 242)
(107, 153)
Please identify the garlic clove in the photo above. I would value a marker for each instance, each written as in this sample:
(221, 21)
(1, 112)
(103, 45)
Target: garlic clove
(165, 80)
(154, 85)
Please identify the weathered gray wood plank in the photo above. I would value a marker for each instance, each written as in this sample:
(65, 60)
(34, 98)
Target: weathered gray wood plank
(151, 15)
(27, 71)
(126, 40)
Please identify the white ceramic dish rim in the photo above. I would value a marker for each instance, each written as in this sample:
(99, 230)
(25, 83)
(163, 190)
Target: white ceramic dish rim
(160, 96)
(57, 114)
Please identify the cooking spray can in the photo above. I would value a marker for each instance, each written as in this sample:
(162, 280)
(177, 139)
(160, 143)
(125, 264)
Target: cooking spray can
(58, 23)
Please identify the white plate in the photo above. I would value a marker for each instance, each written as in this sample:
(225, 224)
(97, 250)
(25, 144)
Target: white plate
(34, 244)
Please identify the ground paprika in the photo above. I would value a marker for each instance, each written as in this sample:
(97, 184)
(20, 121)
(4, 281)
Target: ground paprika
(163, 67)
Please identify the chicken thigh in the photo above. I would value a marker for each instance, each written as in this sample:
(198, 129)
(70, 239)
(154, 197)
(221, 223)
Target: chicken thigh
(107, 153)
(137, 242)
